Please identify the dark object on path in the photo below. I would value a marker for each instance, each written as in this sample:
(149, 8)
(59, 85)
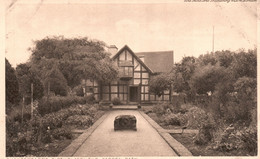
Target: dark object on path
(125, 122)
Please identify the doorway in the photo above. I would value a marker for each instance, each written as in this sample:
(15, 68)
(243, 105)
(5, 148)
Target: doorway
(133, 93)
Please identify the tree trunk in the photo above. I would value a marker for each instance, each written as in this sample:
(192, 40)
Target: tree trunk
(85, 88)
(22, 108)
(40, 133)
(31, 101)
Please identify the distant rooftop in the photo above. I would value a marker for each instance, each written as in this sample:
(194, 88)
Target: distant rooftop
(159, 61)
(112, 46)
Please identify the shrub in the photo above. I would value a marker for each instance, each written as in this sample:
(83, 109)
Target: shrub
(79, 91)
(205, 135)
(56, 103)
(238, 112)
(198, 117)
(249, 137)
(17, 139)
(171, 119)
(79, 120)
(236, 138)
(163, 108)
(61, 133)
(15, 114)
(158, 110)
(90, 99)
(116, 101)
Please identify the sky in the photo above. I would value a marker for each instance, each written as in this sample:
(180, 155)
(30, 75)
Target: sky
(185, 28)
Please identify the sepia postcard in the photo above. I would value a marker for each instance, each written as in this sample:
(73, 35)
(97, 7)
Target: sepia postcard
(129, 79)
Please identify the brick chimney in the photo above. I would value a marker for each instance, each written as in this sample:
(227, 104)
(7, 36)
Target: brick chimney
(112, 49)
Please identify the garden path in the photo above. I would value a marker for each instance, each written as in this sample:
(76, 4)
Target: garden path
(104, 141)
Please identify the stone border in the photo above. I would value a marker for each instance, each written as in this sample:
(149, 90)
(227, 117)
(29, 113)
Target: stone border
(75, 144)
(174, 144)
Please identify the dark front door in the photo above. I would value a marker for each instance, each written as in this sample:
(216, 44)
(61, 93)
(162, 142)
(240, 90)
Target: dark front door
(133, 94)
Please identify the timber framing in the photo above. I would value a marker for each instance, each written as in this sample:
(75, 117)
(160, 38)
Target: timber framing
(132, 85)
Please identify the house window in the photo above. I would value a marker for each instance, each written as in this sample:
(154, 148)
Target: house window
(126, 71)
(113, 96)
(114, 89)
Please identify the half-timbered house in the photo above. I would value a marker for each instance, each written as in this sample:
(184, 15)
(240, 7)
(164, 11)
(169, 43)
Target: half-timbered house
(135, 72)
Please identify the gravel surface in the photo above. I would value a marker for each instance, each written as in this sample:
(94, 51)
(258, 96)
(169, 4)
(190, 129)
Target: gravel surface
(104, 141)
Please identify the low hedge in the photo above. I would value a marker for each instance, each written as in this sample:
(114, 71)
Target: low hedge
(55, 104)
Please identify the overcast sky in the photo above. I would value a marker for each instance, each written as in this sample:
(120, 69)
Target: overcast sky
(185, 28)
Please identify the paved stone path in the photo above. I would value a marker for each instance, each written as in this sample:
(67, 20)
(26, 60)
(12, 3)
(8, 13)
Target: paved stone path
(104, 141)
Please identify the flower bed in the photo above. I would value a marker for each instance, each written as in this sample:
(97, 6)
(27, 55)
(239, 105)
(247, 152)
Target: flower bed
(33, 137)
(215, 137)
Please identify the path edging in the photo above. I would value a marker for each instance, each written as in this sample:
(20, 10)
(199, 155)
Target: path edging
(174, 144)
(75, 144)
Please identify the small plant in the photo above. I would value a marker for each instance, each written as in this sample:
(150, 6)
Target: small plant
(79, 121)
(205, 134)
(116, 101)
(79, 91)
(171, 119)
(61, 133)
(90, 99)
(163, 108)
(249, 137)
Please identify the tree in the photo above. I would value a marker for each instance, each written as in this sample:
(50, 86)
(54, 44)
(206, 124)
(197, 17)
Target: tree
(70, 73)
(55, 82)
(181, 75)
(207, 59)
(12, 85)
(244, 64)
(224, 58)
(160, 83)
(206, 78)
(25, 78)
(246, 88)
(76, 59)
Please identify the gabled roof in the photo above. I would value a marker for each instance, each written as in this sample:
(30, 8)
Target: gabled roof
(133, 54)
(159, 61)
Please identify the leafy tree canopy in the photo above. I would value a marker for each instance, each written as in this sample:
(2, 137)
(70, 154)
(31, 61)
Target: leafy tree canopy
(12, 85)
(160, 83)
(26, 77)
(76, 59)
(56, 82)
(206, 78)
(181, 74)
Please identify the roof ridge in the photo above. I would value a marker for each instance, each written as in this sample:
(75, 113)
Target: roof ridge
(154, 51)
